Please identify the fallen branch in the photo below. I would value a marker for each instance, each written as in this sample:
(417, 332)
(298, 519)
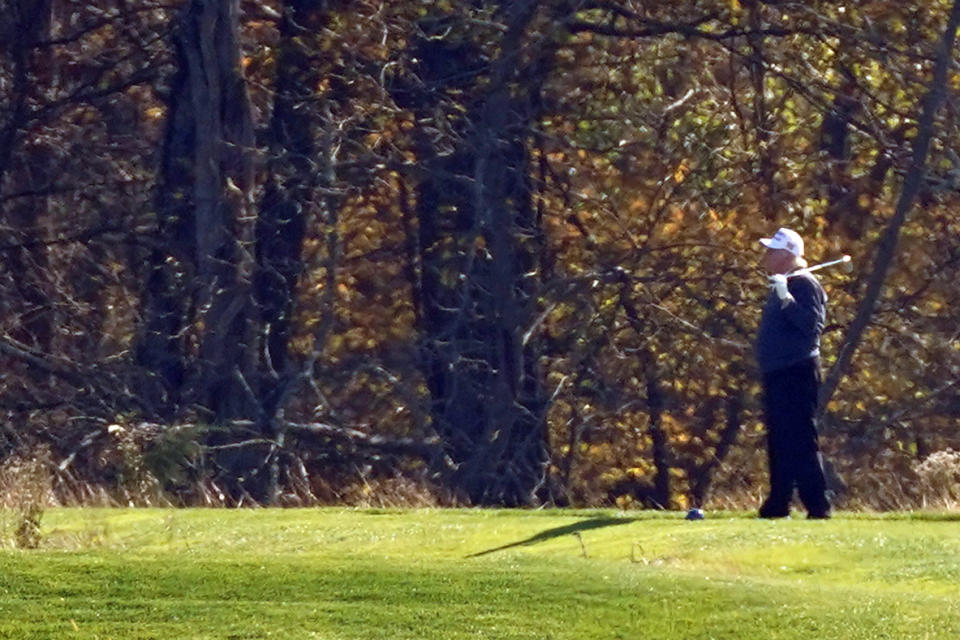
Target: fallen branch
(47, 364)
(421, 447)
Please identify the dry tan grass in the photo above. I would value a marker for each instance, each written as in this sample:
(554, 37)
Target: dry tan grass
(29, 485)
(25, 492)
(939, 476)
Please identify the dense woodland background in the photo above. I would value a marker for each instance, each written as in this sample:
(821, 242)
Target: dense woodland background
(468, 252)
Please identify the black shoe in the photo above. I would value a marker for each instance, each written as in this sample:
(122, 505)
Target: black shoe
(768, 512)
(818, 515)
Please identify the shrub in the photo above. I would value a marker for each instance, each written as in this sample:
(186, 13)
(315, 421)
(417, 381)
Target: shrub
(939, 478)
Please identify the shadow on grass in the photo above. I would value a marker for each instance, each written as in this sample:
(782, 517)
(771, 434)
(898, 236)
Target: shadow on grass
(906, 516)
(556, 532)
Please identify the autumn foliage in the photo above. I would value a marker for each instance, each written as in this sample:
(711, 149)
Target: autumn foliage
(300, 251)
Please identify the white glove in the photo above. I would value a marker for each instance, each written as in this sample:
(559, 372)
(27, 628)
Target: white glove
(778, 282)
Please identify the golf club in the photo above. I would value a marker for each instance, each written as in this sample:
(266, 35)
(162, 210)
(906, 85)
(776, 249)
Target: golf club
(843, 260)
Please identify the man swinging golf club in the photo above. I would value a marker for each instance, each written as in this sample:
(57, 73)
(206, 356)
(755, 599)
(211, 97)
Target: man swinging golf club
(788, 352)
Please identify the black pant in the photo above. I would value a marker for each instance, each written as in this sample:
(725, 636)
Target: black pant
(790, 404)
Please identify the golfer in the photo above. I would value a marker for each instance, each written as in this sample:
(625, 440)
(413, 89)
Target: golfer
(788, 352)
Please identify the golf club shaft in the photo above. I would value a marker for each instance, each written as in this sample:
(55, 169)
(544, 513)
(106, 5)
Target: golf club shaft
(817, 267)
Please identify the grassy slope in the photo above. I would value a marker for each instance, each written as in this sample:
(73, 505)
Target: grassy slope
(362, 574)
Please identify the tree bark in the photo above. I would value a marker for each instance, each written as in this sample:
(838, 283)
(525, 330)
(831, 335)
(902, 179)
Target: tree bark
(161, 348)
(27, 22)
(295, 172)
(767, 167)
(704, 479)
(281, 222)
(476, 218)
(206, 179)
(658, 438)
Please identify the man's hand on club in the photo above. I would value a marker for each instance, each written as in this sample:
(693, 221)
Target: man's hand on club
(778, 282)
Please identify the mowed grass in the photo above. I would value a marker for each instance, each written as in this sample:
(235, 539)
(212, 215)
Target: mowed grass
(448, 574)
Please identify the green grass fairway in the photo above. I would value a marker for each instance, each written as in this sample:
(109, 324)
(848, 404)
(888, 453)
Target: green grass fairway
(345, 574)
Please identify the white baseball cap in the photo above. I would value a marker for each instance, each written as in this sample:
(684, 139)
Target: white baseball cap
(785, 239)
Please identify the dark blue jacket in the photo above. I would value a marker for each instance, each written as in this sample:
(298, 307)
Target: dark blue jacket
(790, 334)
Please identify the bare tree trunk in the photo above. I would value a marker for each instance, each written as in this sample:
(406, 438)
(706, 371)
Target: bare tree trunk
(31, 261)
(661, 452)
(221, 195)
(660, 445)
(477, 250)
(767, 168)
(886, 249)
(731, 427)
(27, 22)
(161, 347)
(287, 197)
(204, 199)
(843, 210)
(296, 170)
